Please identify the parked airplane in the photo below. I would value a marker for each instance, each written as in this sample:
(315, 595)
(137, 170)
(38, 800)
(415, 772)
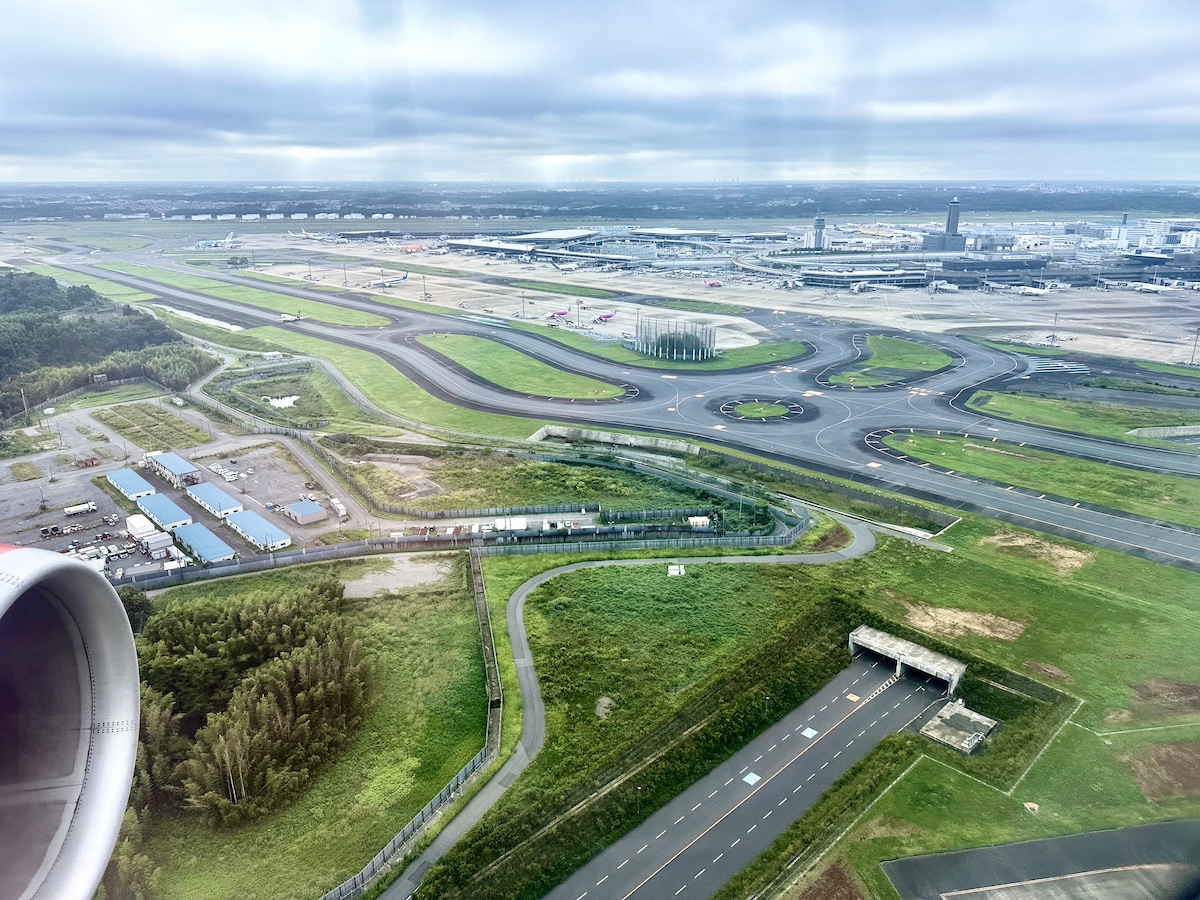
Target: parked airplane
(712, 284)
(935, 286)
(284, 317)
(212, 245)
(561, 314)
(860, 286)
(1026, 290)
(569, 267)
(1146, 288)
(307, 235)
(388, 282)
(604, 317)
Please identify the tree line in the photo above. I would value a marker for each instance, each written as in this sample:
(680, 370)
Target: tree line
(244, 700)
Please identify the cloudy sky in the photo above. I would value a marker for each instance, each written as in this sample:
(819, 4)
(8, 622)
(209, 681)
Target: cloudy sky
(261, 90)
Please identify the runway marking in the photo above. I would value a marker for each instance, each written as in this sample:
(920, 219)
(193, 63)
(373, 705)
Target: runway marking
(601, 881)
(735, 843)
(714, 793)
(697, 806)
(853, 698)
(719, 855)
(729, 782)
(768, 815)
(681, 890)
(660, 834)
(698, 874)
(968, 891)
(622, 865)
(644, 846)
(677, 821)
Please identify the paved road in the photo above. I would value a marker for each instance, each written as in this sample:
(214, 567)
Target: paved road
(719, 825)
(830, 436)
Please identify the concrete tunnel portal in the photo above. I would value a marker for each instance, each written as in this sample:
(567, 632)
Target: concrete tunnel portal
(908, 655)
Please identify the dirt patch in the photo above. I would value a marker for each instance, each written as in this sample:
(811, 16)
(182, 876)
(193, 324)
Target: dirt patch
(1047, 671)
(886, 827)
(835, 538)
(404, 572)
(1167, 772)
(1064, 560)
(603, 705)
(1118, 715)
(958, 622)
(1170, 696)
(835, 883)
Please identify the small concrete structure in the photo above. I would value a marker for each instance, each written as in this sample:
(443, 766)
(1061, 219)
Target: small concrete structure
(305, 512)
(908, 654)
(958, 727)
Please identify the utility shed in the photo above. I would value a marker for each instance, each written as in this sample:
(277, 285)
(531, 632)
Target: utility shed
(164, 512)
(130, 483)
(258, 531)
(305, 512)
(213, 499)
(203, 544)
(908, 655)
(173, 468)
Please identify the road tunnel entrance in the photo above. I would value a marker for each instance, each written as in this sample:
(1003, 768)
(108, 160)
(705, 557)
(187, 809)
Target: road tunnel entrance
(908, 655)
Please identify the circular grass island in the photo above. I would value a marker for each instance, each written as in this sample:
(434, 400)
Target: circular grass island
(755, 409)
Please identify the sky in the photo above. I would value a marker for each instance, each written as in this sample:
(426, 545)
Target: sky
(334, 90)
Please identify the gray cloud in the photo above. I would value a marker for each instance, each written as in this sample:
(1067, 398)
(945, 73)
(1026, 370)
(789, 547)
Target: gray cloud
(337, 89)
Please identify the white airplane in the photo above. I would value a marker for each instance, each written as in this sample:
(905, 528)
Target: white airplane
(860, 286)
(1028, 291)
(306, 235)
(935, 286)
(569, 267)
(604, 317)
(1143, 287)
(388, 282)
(284, 317)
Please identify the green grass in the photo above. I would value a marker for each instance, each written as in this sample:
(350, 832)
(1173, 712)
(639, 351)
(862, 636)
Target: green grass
(119, 293)
(517, 371)
(122, 394)
(150, 427)
(701, 306)
(392, 391)
(575, 290)
(426, 722)
(482, 481)
(892, 359)
(1024, 349)
(760, 410)
(1168, 369)
(24, 471)
(756, 355)
(1166, 497)
(244, 339)
(279, 279)
(320, 398)
(281, 303)
(1082, 417)
(1137, 385)
(437, 271)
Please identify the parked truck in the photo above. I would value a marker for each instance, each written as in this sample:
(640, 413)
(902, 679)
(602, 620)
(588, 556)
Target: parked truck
(79, 509)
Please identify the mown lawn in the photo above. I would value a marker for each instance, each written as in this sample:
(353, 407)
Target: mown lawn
(575, 290)
(121, 394)
(119, 293)
(392, 391)
(281, 303)
(517, 371)
(1168, 369)
(1166, 497)
(892, 359)
(427, 721)
(1083, 417)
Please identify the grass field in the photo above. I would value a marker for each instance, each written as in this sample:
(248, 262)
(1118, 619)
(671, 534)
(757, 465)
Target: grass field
(1083, 417)
(426, 722)
(1024, 349)
(416, 269)
(119, 293)
(892, 359)
(24, 471)
(1166, 497)
(246, 339)
(150, 427)
(122, 394)
(701, 306)
(392, 391)
(756, 355)
(1168, 369)
(319, 398)
(280, 279)
(311, 309)
(760, 410)
(517, 371)
(575, 290)
(481, 481)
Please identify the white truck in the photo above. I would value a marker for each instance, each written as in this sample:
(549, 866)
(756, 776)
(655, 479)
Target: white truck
(79, 509)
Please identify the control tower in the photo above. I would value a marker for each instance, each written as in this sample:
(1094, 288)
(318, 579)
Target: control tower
(952, 219)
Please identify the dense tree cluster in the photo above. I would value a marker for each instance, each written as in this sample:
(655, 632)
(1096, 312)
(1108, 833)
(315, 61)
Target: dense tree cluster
(243, 701)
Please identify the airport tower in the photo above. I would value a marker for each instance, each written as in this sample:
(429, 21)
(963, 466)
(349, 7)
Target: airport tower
(819, 232)
(952, 218)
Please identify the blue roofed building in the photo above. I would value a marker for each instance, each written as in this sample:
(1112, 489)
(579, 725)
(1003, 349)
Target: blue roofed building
(172, 468)
(215, 500)
(130, 483)
(305, 512)
(164, 512)
(258, 531)
(203, 544)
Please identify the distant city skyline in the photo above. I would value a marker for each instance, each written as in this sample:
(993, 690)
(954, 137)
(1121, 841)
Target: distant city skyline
(545, 93)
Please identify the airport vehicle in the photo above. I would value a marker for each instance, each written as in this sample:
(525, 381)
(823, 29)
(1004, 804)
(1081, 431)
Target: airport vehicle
(79, 509)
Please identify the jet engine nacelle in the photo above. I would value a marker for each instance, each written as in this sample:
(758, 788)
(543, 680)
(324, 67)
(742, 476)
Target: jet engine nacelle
(69, 705)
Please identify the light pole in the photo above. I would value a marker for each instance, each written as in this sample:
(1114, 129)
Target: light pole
(1194, 341)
